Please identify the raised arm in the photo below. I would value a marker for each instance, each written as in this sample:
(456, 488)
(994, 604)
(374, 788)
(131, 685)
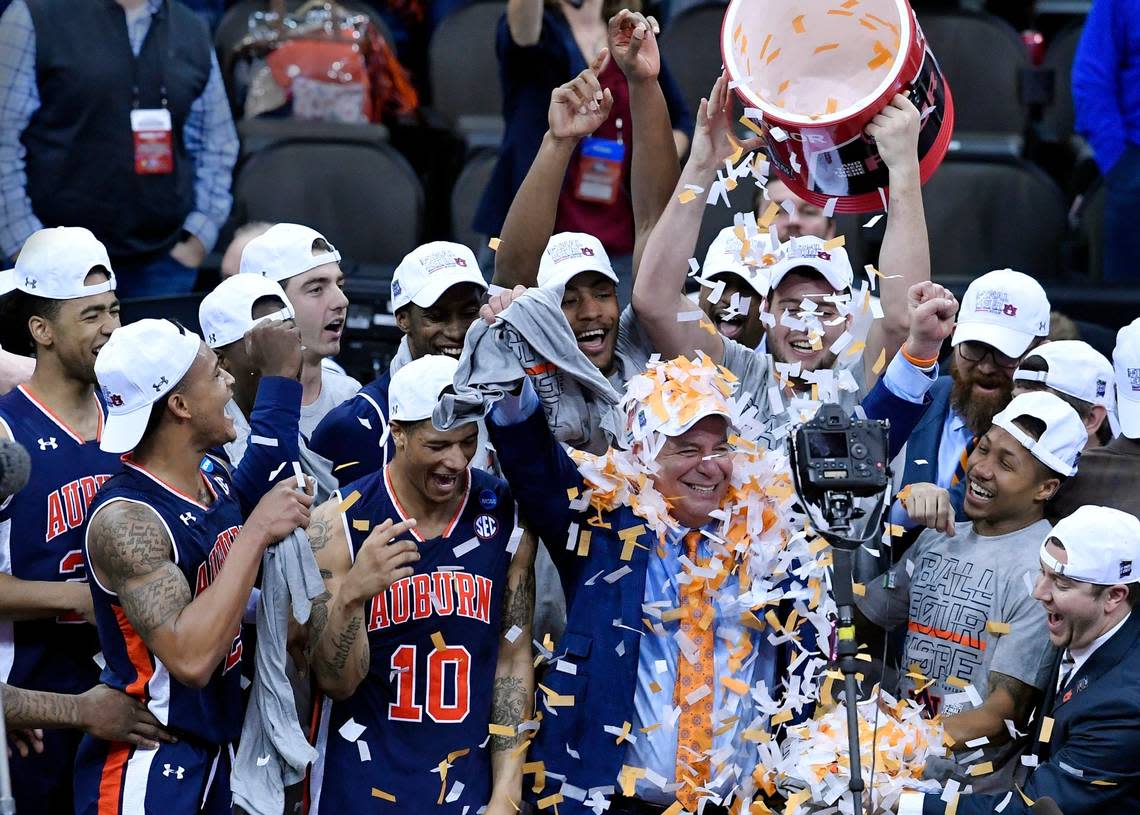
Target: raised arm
(524, 21)
(577, 109)
(338, 640)
(132, 555)
(513, 694)
(658, 292)
(905, 256)
(654, 170)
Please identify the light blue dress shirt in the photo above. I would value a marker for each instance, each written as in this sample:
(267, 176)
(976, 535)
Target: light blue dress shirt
(656, 750)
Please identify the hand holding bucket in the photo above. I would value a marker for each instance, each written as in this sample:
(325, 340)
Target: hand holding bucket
(812, 81)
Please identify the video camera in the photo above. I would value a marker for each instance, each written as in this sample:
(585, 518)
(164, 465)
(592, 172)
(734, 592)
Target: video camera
(835, 453)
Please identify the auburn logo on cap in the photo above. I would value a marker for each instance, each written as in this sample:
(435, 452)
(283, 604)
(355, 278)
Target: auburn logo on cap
(587, 251)
(1009, 310)
(461, 262)
(115, 399)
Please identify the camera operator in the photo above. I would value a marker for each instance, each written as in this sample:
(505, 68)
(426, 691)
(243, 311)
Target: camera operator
(974, 633)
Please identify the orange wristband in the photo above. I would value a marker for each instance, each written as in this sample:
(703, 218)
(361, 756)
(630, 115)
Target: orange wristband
(918, 363)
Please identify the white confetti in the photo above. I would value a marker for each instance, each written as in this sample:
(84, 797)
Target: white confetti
(512, 634)
(365, 753)
(874, 220)
(829, 207)
(351, 731)
(617, 575)
(465, 547)
(264, 441)
(262, 760)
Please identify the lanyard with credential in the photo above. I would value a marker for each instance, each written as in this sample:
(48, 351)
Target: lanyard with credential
(152, 128)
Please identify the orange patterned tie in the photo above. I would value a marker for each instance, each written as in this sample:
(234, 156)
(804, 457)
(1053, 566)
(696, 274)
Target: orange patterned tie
(694, 725)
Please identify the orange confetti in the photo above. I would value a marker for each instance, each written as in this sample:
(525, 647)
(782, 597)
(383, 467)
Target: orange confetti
(772, 56)
(882, 56)
(883, 22)
(834, 243)
(850, 4)
(831, 46)
(383, 796)
(880, 363)
(832, 105)
(841, 13)
(764, 47)
(798, 24)
(493, 244)
(869, 25)
(751, 125)
(736, 32)
(783, 86)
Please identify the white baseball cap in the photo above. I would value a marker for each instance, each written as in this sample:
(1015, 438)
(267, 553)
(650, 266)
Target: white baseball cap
(809, 251)
(139, 365)
(1102, 546)
(1126, 364)
(568, 254)
(226, 313)
(1060, 446)
(1072, 367)
(1005, 309)
(724, 257)
(429, 270)
(284, 251)
(416, 387)
(54, 263)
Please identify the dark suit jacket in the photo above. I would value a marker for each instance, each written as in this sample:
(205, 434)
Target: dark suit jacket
(1108, 476)
(1091, 764)
(924, 442)
(604, 683)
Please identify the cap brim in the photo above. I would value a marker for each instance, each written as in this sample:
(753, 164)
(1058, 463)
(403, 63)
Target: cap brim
(754, 281)
(676, 430)
(1009, 342)
(826, 270)
(434, 288)
(1128, 414)
(564, 276)
(122, 431)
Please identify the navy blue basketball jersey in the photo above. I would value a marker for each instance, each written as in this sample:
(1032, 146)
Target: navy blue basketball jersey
(201, 537)
(433, 642)
(41, 538)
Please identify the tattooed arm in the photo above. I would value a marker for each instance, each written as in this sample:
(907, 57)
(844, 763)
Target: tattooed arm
(338, 641)
(513, 693)
(103, 712)
(132, 555)
(1007, 698)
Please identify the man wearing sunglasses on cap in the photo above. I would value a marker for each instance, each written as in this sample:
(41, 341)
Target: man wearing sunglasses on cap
(1004, 315)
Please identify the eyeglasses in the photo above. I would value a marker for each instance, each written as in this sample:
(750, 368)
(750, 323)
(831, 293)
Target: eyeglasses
(977, 351)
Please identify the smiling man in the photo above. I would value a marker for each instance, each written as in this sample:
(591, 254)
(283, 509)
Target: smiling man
(61, 300)
(436, 293)
(426, 638)
(308, 267)
(172, 563)
(1086, 760)
(960, 591)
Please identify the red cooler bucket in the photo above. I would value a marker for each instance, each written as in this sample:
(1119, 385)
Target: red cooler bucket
(817, 73)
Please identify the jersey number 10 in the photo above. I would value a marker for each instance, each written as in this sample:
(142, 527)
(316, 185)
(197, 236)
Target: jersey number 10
(454, 660)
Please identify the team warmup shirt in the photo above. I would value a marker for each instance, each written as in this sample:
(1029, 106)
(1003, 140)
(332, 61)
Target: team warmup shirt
(41, 538)
(433, 640)
(201, 537)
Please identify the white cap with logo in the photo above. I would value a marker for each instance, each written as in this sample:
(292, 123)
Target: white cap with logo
(1102, 546)
(569, 254)
(53, 264)
(416, 387)
(226, 313)
(1060, 446)
(1072, 367)
(833, 264)
(1004, 309)
(723, 257)
(1126, 364)
(284, 251)
(429, 270)
(139, 365)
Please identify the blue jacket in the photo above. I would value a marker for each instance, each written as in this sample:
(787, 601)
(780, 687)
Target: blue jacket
(603, 685)
(353, 434)
(1106, 80)
(925, 440)
(1090, 765)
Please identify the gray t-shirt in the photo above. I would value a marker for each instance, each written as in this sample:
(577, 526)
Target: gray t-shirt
(632, 350)
(335, 388)
(946, 590)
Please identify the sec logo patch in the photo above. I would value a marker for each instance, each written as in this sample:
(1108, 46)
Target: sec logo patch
(486, 527)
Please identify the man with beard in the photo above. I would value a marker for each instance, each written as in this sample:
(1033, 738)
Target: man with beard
(62, 298)
(1004, 315)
